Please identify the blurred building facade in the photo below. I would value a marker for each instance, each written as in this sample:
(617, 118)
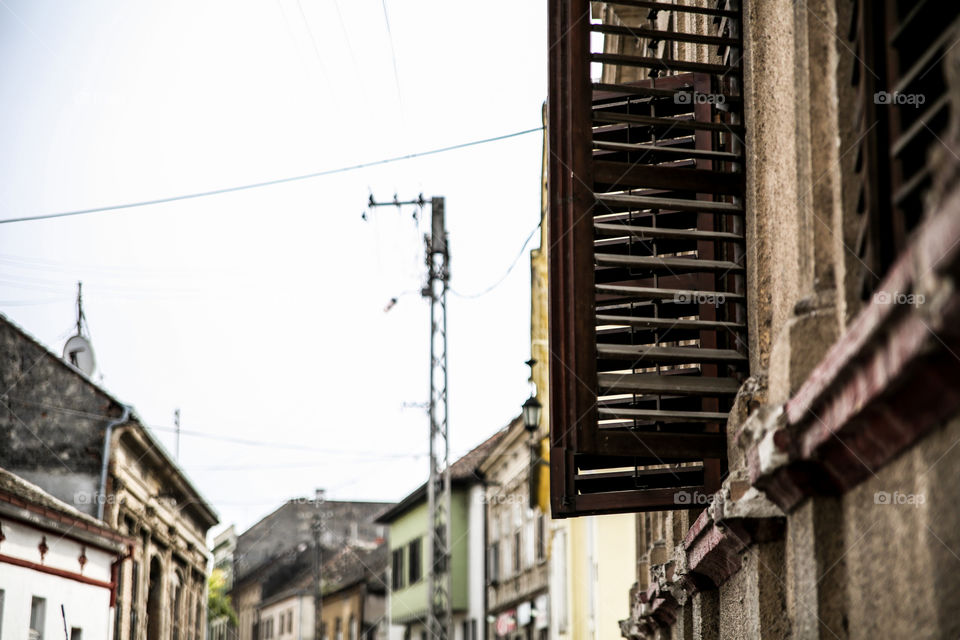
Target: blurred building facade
(73, 439)
(275, 572)
(57, 565)
(408, 523)
(518, 603)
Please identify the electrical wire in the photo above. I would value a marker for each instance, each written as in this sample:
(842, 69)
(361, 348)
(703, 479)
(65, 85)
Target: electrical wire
(316, 51)
(266, 183)
(292, 446)
(502, 278)
(231, 439)
(346, 37)
(393, 52)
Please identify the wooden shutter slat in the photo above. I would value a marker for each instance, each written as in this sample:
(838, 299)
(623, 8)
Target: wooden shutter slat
(658, 34)
(670, 204)
(668, 354)
(665, 150)
(666, 323)
(654, 383)
(682, 8)
(666, 123)
(644, 233)
(661, 415)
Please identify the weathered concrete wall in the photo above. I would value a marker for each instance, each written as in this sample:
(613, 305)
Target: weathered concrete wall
(901, 533)
(52, 421)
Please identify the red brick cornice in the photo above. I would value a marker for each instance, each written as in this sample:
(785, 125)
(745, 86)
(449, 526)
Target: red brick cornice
(713, 548)
(886, 382)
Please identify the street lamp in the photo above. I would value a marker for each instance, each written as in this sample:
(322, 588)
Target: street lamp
(531, 414)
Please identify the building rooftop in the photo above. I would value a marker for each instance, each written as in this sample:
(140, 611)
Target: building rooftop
(465, 471)
(290, 527)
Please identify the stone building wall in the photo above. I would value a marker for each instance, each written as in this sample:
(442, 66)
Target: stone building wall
(839, 516)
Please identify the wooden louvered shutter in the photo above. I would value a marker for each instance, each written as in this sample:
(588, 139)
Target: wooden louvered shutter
(647, 308)
(902, 109)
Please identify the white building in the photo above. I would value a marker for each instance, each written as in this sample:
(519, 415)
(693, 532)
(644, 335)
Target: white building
(57, 567)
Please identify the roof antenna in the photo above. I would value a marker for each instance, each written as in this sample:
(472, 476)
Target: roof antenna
(78, 351)
(81, 318)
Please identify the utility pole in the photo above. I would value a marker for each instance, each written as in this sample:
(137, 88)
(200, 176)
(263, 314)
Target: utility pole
(439, 585)
(176, 424)
(319, 500)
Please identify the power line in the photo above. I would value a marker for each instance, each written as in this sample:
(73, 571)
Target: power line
(233, 439)
(291, 446)
(393, 51)
(267, 183)
(316, 51)
(504, 277)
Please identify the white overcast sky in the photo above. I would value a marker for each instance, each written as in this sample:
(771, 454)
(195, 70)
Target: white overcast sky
(260, 314)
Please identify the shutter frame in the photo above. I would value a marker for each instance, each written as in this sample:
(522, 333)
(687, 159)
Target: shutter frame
(590, 463)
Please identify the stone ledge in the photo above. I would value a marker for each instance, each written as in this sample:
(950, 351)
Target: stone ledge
(886, 382)
(713, 544)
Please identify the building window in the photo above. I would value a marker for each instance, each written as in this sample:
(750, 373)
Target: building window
(416, 561)
(529, 541)
(38, 611)
(516, 552)
(892, 169)
(134, 583)
(198, 620)
(76, 633)
(323, 631)
(119, 603)
(493, 563)
(1, 613)
(352, 628)
(397, 579)
(505, 557)
(177, 599)
(541, 538)
(338, 629)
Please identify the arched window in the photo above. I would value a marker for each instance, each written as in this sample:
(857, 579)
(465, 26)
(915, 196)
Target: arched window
(154, 603)
(177, 608)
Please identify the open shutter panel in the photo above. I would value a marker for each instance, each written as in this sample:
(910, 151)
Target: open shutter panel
(647, 307)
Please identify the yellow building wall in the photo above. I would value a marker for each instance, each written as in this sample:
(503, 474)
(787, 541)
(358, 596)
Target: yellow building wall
(615, 550)
(601, 550)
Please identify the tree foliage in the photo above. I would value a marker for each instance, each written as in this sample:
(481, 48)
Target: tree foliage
(218, 601)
